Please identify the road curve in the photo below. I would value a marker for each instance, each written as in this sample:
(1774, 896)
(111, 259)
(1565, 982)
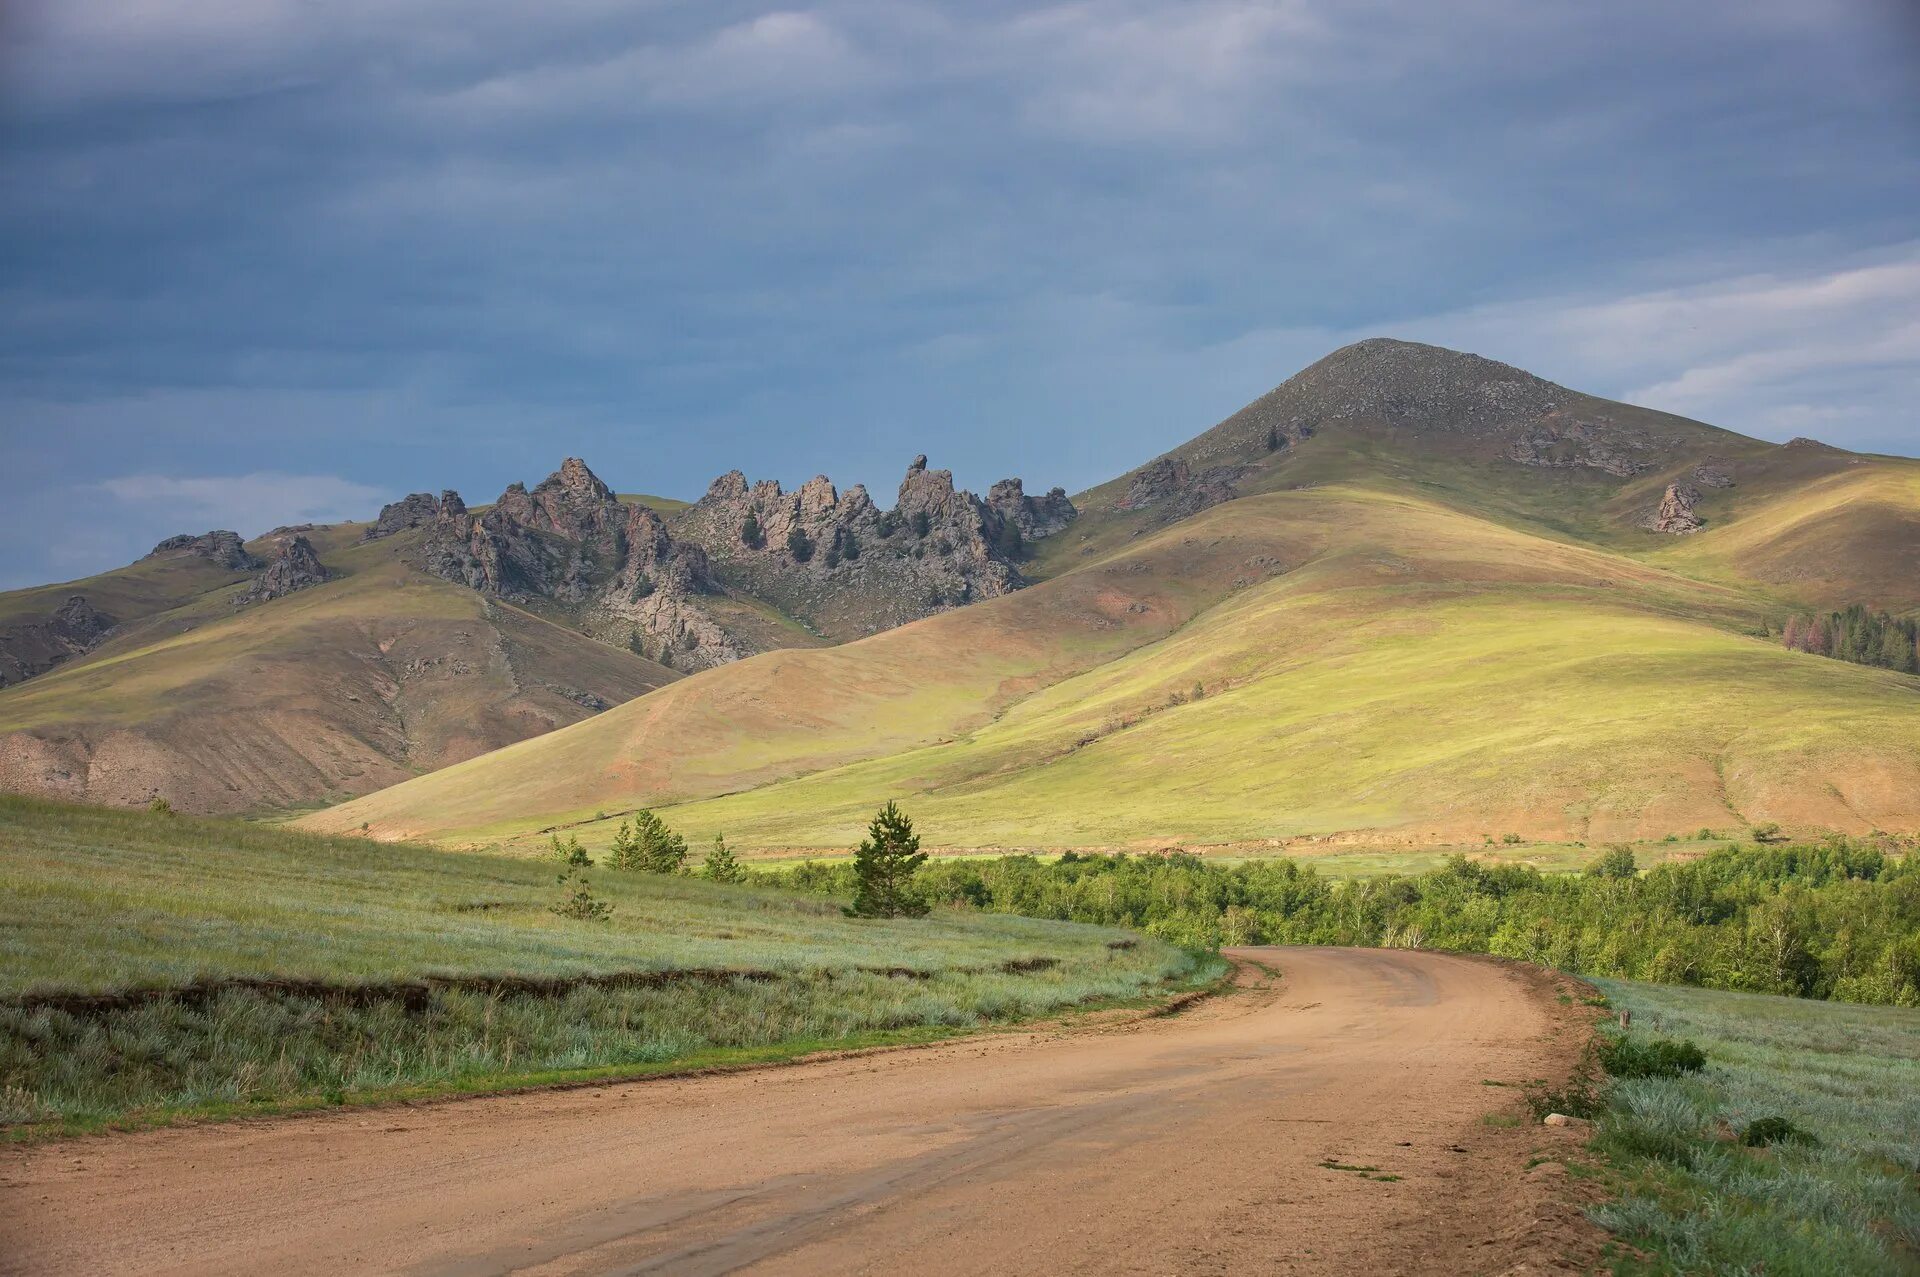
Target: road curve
(1199, 1143)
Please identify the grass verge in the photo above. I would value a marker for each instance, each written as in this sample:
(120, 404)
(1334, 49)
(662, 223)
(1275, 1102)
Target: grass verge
(1794, 1150)
(160, 967)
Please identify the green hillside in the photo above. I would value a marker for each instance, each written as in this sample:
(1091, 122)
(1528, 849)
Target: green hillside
(360, 682)
(1328, 660)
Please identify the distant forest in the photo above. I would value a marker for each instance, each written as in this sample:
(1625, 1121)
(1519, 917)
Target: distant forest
(1857, 635)
(1839, 920)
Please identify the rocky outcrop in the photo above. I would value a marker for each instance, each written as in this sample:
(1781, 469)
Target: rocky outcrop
(1675, 514)
(1713, 474)
(415, 510)
(571, 541)
(1560, 442)
(1036, 518)
(223, 548)
(847, 568)
(34, 647)
(1175, 489)
(294, 567)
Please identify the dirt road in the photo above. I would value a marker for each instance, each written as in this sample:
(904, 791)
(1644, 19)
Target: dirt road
(1210, 1142)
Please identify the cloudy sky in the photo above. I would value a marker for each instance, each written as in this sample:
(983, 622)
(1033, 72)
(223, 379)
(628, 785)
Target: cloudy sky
(264, 261)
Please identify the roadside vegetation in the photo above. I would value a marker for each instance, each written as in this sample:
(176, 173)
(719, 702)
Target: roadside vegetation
(153, 964)
(1837, 920)
(1745, 1133)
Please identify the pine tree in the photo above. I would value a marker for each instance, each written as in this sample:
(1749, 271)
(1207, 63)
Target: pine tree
(659, 849)
(1273, 438)
(799, 544)
(624, 853)
(884, 866)
(721, 865)
(569, 852)
(750, 534)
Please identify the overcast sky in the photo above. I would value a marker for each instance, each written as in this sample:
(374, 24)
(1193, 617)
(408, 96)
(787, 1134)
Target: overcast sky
(266, 261)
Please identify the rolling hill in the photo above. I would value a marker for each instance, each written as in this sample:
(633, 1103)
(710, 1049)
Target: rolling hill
(1409, 596)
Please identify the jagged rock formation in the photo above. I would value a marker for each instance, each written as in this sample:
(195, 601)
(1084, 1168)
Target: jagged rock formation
(1675, 515)
(843, 566)
(414, 510)
(294, 566)
(571, 541)
(224, 548)
(73, 629)
(1035, 517)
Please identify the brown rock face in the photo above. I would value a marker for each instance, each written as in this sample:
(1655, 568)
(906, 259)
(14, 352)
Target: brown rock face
(294, 566)
(1675, 515)
(571, 541)
(73, 629)
(224, 548)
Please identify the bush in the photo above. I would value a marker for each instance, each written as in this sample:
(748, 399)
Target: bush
(160, 806)
(1615, 862)
(1764, 1131)
(1637, 1057)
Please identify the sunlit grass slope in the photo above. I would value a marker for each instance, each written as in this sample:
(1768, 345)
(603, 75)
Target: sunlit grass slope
(338, 689)
(1362, 662)
(153, 965)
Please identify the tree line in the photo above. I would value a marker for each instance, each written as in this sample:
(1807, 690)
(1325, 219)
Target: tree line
(1837, 920)
(1857, 635)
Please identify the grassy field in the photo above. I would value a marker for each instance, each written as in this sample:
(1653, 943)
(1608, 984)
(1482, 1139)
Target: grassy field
(431, 964)
(1471, 682)
(362, 682)
(1840, 1198)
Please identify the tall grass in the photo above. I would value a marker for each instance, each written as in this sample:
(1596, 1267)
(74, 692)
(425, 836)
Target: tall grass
(1840, 1197)
(158, 965)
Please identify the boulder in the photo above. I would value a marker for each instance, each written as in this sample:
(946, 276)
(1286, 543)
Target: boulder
(222, 547)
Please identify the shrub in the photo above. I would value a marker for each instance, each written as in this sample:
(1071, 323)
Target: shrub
(160, 806)
(1638, 1057)
(1763, 1131)
(1768, 831)
(1615, 862)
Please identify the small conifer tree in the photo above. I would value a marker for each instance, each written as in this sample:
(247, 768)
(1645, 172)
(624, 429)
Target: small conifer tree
(884, 866)
(569, 852)
(750, 534)
(799, 544)
(577, 899)
(659, 849)
(624, 852)
(721, 865)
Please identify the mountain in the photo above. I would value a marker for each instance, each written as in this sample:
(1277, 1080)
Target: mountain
(1411, 595)
(315, 663)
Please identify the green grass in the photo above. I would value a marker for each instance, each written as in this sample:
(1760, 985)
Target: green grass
(94, 901)
(1375, 666)
(1847, 1202)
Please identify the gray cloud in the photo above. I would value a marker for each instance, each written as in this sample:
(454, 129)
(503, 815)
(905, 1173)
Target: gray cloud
(416, 242)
